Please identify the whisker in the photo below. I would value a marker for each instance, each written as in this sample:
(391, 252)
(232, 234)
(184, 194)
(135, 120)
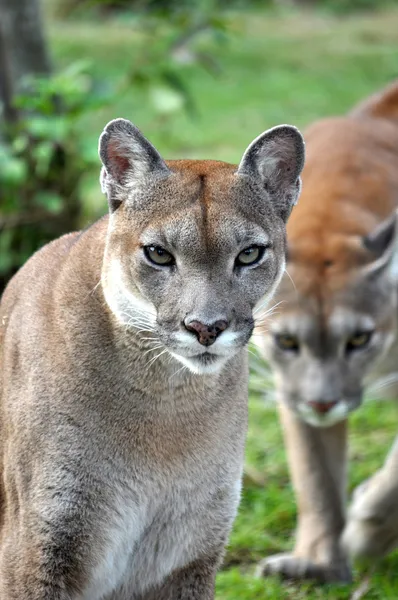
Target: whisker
(153, 349)
(156, 357)
(382, 383)
(137, 314)
(288, 274)
(139, 330)
(141, 323)
(137, 324)
(94, 288)
(179, 371)
(269, 310)
(263, 320)
(143, 317)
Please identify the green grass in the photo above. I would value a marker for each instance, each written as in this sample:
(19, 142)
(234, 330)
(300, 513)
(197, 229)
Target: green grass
(289, 68)
(266, 519)
(273, 69)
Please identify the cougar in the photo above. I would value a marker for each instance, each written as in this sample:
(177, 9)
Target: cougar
(124, 374)
(333, 327)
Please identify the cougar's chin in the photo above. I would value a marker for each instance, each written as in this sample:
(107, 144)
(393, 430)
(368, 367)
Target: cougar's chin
(202, 360)
(336, 414)
(202, 364)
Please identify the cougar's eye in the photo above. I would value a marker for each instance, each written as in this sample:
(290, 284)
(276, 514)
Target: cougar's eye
(288, 343)
(159, 256)
(250, 256)
(359, 340)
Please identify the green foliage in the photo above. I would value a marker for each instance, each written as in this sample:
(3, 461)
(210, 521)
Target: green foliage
(42, 161)
(351, 6)
(167, 8)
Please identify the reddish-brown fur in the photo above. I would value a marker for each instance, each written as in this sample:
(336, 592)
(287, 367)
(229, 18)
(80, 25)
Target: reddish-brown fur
(335, 211)
(350, 187)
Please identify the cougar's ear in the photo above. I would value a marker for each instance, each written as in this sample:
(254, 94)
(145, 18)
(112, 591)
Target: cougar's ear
(128, 159)
(275, 159)
(382, 242)
(382, 104)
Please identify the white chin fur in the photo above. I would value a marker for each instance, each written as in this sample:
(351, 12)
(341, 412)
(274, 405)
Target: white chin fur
(200, 369)
(338, 413)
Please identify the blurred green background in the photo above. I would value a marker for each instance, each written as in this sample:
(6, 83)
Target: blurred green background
(201, 79)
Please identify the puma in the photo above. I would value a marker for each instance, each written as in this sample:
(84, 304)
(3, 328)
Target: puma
(335, 321)
(123, 374)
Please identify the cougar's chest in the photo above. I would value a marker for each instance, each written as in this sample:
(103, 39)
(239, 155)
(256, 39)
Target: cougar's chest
(152, 528)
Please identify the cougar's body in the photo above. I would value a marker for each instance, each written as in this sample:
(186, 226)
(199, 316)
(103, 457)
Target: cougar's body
(159, 445)
(122, 429)
(336, 329)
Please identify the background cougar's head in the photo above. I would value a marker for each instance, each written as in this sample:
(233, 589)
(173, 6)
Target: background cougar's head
(337, 310)
(193, 245)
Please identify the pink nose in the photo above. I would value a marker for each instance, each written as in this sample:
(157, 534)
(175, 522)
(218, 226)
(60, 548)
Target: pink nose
(206, 334)
(322, 407)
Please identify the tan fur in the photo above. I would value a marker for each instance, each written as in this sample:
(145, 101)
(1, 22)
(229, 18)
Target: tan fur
(340, 285)
(120, 468)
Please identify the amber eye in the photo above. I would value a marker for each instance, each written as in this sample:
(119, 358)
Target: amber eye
(250, 256)
(159, 256)
(359, 340)
(287, 342)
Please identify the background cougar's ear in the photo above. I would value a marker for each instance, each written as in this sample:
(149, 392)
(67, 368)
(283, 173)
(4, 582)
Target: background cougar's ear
(383, 243)
(276, 159)
(128, 159)
(383, 104)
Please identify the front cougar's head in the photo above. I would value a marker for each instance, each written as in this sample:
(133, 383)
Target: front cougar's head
(193, 246)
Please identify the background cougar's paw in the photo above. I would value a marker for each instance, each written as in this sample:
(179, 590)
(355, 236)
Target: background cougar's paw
(290, 567)
(369, 539)
(361, 489)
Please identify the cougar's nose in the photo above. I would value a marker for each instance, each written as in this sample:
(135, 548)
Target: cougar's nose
(206, 334)
(322, 407)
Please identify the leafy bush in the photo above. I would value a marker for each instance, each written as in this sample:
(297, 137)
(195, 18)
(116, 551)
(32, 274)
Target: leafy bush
(71, 7)
(42, 161)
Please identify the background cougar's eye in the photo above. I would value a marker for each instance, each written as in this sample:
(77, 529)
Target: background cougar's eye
(287, 342)
(358, 340)
(159, 256)
(250, 256)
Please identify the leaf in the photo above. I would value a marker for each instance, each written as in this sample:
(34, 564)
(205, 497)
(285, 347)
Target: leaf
(13, 171)
(166, 100)
(43, 153)
(51, 201)
(176, 83)
(6, 256)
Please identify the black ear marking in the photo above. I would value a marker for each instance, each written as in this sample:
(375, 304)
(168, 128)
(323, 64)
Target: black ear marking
(382, 243)
(128, 159)
(378, 240)
(275, 159)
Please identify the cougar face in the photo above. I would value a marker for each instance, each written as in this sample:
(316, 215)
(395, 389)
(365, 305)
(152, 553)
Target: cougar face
(194, 245)
(322, 349)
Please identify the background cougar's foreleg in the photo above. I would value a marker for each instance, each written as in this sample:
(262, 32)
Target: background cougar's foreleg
(317, 461)
(372, 527)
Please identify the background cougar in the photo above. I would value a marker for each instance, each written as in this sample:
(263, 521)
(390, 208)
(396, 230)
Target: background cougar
(336, 317)
(124, 374)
